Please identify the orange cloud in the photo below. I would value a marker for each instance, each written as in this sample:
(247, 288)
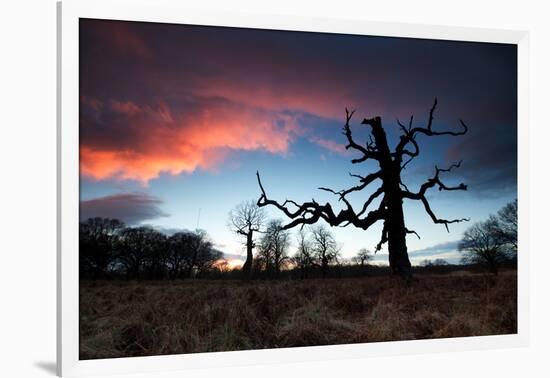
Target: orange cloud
(153, 141)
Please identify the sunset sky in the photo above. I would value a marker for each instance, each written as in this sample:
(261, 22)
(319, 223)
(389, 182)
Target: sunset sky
(177, 119)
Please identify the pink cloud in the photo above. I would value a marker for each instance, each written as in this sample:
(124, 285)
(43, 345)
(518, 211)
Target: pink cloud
(155, 141)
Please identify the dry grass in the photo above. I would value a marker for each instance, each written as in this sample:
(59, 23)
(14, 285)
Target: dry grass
(121, 319)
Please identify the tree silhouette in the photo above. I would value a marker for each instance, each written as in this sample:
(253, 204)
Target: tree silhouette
(246, 219)
(180, 247)
(507, 220)
(392, 189)
(481, 244)
(325, 248)
(273, 247)
(202, 254)
(362, 257)
(97, 239)
(135, 248)
(303, 259)
(157, 255)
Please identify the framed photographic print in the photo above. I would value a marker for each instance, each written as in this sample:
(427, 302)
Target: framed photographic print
(239, 188)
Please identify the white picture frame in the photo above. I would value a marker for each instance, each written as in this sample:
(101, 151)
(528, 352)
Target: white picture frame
(69, 12)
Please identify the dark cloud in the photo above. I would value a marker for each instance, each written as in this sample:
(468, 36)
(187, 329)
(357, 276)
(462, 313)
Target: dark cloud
(131, 208)
(436, 249)
(489, 156)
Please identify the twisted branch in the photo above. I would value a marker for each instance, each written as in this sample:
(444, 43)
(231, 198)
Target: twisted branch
(409, 135)
(430, 183)
(311, 212)
(368, 152)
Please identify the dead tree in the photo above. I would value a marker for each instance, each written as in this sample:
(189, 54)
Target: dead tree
(324, 247)
(392, 190)
(304, 257)
(273, 246)
(246, 219)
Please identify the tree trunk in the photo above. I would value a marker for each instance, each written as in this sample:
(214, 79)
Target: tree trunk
(247, 267)
(395, 222)
(397, 243)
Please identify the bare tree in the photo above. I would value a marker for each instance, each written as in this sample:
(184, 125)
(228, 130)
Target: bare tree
(303, 258)
(392, 189)
(362, 257)
(325, 248)
(481, 245)
(245, 219)
(273, 247)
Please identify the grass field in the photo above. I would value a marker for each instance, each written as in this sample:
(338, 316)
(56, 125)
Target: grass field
(121, 319)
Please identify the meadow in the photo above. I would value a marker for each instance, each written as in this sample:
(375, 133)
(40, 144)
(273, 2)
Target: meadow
(122, 319)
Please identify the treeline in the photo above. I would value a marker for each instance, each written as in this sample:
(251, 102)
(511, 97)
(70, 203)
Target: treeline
(110, 249)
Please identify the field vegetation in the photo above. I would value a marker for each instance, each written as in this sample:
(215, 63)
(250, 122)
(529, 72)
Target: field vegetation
(131, 318)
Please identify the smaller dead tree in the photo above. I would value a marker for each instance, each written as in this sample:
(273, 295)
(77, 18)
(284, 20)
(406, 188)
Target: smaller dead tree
(273, 248)
(246, 219)
(325, 248)
(303, 259)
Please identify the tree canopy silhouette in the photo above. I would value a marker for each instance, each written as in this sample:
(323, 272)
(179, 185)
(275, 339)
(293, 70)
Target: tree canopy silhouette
(481, 245)
(97, 238)
(507, 221)
(391, 163)
(273, 248)
(246, 219)
(363, 257)
(325, 248)
(494, 241)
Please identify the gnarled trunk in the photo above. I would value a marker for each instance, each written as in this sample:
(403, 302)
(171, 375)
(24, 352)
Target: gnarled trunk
(247, 267)
(397, 243)
(390, 209)
(394, 223)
